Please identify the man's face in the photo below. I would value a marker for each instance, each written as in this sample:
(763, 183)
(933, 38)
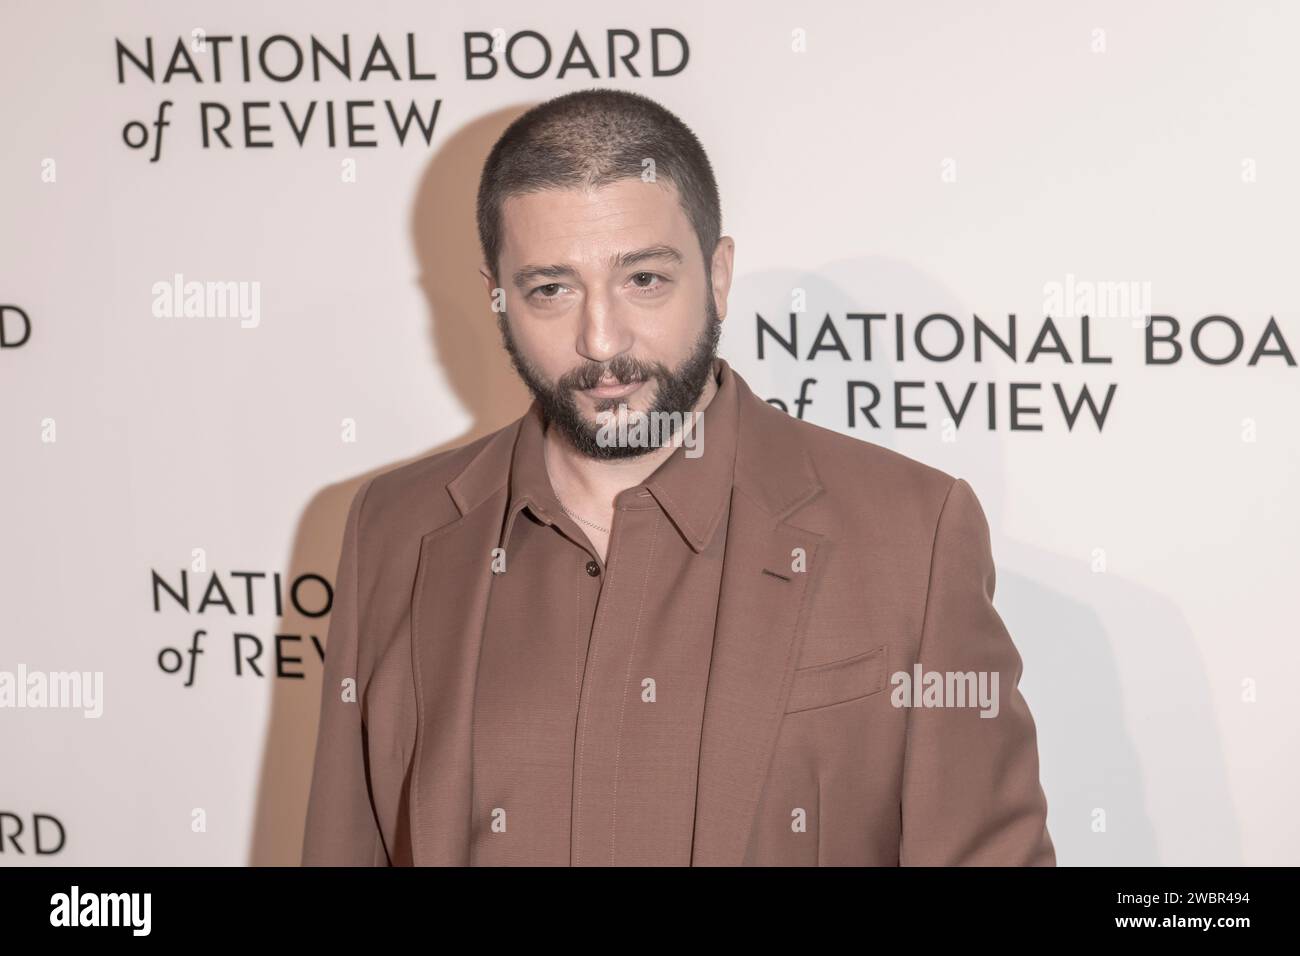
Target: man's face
(608, 305)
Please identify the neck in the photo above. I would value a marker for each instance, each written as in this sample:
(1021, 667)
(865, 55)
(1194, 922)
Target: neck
(594, 483)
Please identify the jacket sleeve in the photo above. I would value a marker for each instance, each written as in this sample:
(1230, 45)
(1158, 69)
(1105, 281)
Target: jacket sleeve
(341, 827)
(971, 794)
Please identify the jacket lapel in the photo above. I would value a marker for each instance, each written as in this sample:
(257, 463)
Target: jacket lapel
(758, 634)
(448, 611)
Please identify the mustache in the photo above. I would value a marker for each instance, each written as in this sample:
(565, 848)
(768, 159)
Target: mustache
(623, 368)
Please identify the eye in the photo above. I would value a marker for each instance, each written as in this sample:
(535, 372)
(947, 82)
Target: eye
(643, 280)
(548, 291)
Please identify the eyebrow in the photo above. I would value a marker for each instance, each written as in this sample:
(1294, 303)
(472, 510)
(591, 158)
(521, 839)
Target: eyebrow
(619, 261)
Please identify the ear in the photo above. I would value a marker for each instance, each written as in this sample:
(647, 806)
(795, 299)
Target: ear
(723, 262)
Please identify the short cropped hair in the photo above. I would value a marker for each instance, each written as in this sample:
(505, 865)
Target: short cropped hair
(589, 139)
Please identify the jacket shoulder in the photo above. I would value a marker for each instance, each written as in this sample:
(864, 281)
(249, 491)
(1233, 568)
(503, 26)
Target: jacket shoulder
(881, 508)
(414, 495)
(844, 462)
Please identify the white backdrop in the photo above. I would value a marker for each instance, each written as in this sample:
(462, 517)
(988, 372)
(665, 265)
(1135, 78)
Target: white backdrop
(969, 160)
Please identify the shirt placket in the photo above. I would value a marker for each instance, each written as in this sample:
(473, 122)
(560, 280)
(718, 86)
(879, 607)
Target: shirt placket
(606, 683)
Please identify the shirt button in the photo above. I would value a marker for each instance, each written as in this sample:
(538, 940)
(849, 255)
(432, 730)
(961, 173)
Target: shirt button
(593, 568)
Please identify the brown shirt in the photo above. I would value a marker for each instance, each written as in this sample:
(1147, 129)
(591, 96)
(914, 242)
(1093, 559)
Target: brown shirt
(592, 675)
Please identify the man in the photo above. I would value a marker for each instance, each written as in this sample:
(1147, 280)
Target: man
(563, 645)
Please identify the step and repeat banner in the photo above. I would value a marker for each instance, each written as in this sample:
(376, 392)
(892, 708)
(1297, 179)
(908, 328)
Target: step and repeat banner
(1048, 248)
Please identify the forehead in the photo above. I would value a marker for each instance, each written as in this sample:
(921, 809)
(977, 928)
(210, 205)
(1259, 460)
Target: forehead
(589, 225)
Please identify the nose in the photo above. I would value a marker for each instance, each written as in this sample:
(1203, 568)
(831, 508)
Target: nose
(602, 332)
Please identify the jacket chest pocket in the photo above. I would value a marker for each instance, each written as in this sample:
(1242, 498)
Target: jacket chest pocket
(838, 682)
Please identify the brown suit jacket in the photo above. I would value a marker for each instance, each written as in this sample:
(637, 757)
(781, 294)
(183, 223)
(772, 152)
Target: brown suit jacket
(897, 571)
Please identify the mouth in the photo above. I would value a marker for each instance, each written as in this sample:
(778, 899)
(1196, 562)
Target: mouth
(613, 390)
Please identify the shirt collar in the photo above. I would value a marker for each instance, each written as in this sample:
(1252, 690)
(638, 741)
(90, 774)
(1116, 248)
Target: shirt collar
(692, 491)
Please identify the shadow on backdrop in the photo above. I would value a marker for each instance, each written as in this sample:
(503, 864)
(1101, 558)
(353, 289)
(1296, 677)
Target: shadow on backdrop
(466, 351)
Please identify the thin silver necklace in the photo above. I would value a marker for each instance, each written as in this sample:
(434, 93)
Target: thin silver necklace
(546, 457)
(583, 520)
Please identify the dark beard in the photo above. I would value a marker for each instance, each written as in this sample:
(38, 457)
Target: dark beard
(677, 391)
